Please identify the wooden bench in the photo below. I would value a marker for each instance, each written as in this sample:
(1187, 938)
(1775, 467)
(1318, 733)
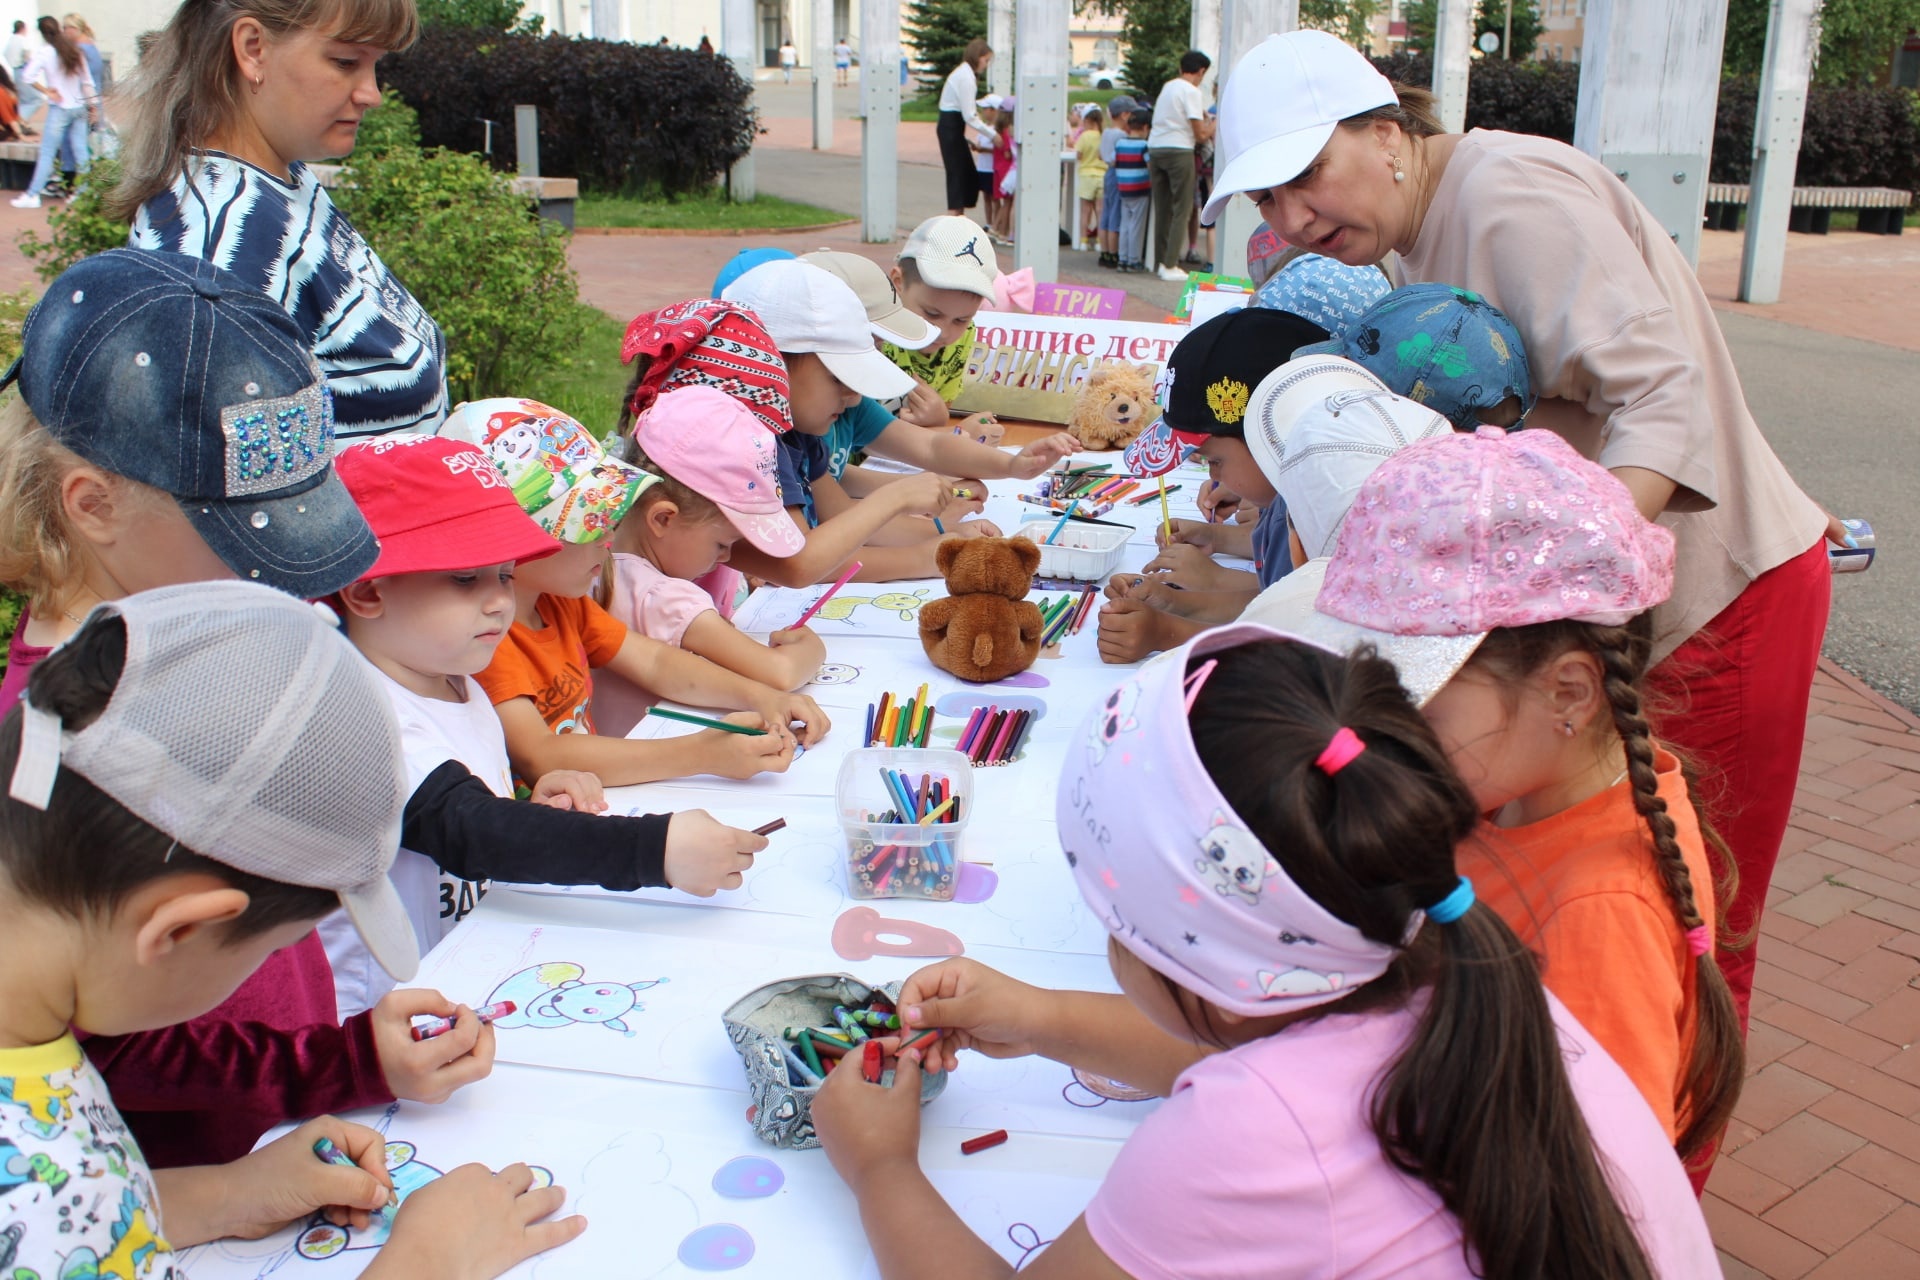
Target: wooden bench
(555, 195)
(1882, 210)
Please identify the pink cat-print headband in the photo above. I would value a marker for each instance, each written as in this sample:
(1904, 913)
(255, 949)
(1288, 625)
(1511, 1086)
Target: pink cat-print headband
(1175, 874)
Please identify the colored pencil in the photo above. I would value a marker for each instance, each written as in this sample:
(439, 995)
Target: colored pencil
(1019, 734)
(999, 744)
(1062, 522)
(1166, 520)
(933, 815)
(814, 608)
(770, 827)
(706, 722)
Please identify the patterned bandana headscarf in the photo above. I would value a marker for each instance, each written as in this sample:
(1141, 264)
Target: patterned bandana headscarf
(1176, 875)
(709, 343)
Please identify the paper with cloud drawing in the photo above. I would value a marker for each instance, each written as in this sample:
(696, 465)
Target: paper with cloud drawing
(647, 1002)
(672, 1182)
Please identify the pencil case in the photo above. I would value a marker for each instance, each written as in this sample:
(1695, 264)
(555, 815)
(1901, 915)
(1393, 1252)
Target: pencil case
(780, 1082)
(1083, 553)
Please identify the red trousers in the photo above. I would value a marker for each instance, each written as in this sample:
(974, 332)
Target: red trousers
(1733, 700)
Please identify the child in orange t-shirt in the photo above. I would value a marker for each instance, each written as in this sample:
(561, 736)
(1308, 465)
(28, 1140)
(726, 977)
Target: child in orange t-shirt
(1509, 580)
(541, 676)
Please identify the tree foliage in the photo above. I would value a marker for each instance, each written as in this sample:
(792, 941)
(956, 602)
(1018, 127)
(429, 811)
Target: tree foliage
(481, 15)
(939, 31)
(1155, 34)
(80, 227)
(1491, 15)
(1351, 20)
(1857, 38)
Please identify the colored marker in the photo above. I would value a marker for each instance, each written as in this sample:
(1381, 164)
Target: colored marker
(706, 722)
(973, 1146)
(325, 1149)
(440, 1026)
(771, 827)
(814, 608)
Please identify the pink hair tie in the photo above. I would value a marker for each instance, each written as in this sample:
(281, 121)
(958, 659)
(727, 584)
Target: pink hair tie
(1699, 941)
(1340, 752)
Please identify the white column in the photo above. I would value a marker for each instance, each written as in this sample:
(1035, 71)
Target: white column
(1000, 37)
(1204, 35)
(1781, 110)
(1649, 83)
(879, 127)
(738, 40)
(1040, 84)
(606, 19)
(822, 75)
(1452, 51)
(1244, 24)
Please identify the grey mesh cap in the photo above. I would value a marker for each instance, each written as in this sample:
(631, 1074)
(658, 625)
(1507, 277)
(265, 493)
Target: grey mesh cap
(251, 731)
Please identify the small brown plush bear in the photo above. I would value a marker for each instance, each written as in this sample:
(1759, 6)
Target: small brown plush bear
(985, 629)
(1115, 405)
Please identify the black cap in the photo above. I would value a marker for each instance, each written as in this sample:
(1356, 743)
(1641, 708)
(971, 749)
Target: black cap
(1212, 373)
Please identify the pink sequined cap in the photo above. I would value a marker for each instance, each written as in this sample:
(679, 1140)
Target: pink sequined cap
(1460, 535)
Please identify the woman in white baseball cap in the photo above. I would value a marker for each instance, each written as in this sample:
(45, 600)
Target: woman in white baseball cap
(1629, 365)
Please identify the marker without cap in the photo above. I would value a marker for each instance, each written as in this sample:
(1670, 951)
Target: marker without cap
(440, 1026)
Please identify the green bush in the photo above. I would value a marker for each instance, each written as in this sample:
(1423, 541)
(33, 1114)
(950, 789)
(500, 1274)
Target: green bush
(391, 124)
(79, 227)
(477, 256)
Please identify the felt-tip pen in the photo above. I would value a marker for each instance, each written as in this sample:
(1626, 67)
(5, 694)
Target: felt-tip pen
(440, 1026)
(325, 1149)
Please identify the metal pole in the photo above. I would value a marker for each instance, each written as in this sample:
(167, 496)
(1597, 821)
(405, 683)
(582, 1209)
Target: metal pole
(1649, 84)
(1000, 36)
(737, 41)
(1788, 65)
(1040, 40)
(879, 127)
(1452, 51)
(1243, 25)
(822, 18)
(1203, 33)
(1506, 38)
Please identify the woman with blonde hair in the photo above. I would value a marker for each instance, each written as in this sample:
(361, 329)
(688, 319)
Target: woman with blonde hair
(233, 102)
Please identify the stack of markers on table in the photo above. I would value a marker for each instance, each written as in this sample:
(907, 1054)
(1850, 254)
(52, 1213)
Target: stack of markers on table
(906, 867)
(815, 1051)
(1064, 617)
(894, 722)
(993, 736)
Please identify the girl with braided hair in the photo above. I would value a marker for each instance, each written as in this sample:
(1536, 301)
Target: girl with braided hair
(1510, 581)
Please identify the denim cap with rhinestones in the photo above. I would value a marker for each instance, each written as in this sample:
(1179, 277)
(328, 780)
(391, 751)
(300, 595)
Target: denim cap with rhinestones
(167, 370)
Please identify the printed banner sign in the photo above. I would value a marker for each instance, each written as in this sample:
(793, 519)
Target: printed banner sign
(1032, 367)
(1082, 300)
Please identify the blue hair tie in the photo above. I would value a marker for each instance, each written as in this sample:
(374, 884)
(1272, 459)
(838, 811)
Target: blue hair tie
(1454, 905)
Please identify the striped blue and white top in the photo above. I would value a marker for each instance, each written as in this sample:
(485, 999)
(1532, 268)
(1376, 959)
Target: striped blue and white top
(383, 356)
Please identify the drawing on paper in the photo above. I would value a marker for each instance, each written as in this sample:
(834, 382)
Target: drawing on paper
(835, 673)
(841, 607)
(553, 995)
(1027, 1240)
(1089, 1090)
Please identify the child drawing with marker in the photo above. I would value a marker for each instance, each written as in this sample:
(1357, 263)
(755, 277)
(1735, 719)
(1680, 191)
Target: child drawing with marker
(165, 490)
(201, 773)
(429, 615)
(790, 342)
(1362, 1071)
(541, 675)
(1536, 578)
(671, 579)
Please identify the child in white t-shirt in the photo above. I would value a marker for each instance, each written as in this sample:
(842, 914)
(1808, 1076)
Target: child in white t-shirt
(428, 615)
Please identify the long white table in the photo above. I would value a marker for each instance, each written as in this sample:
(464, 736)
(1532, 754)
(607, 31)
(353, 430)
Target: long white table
(634, 1099)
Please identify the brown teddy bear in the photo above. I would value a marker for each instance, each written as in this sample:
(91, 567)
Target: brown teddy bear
(1115, 404)
(985, 629)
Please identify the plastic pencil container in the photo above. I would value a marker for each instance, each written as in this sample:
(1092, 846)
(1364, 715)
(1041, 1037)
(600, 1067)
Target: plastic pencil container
(1082, 552)
(890, 854)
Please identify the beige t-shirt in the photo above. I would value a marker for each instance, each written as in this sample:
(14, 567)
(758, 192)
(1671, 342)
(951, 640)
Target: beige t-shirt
(1627, 358)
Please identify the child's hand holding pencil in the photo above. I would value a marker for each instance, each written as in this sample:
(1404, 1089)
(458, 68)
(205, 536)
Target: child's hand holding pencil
(704, 855)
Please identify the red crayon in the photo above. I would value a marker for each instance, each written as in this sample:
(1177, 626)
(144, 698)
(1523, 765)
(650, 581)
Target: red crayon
(870, 1062)
(981, 1143)
(440, 1026)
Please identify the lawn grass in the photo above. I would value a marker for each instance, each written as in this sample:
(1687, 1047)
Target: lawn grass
(925, 109)
(1849, 219)
(711, 211)
(591, 385)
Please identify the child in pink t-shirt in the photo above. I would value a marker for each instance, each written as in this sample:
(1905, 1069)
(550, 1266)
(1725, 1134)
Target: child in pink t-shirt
(670, 579)
(1363, 1074)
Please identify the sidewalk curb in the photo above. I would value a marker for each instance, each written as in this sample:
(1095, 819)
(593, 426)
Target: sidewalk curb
(731, 232)
(1864, 690)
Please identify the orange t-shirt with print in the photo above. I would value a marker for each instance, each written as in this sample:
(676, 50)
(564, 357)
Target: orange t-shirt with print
(554, 664)
(1581, 889)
